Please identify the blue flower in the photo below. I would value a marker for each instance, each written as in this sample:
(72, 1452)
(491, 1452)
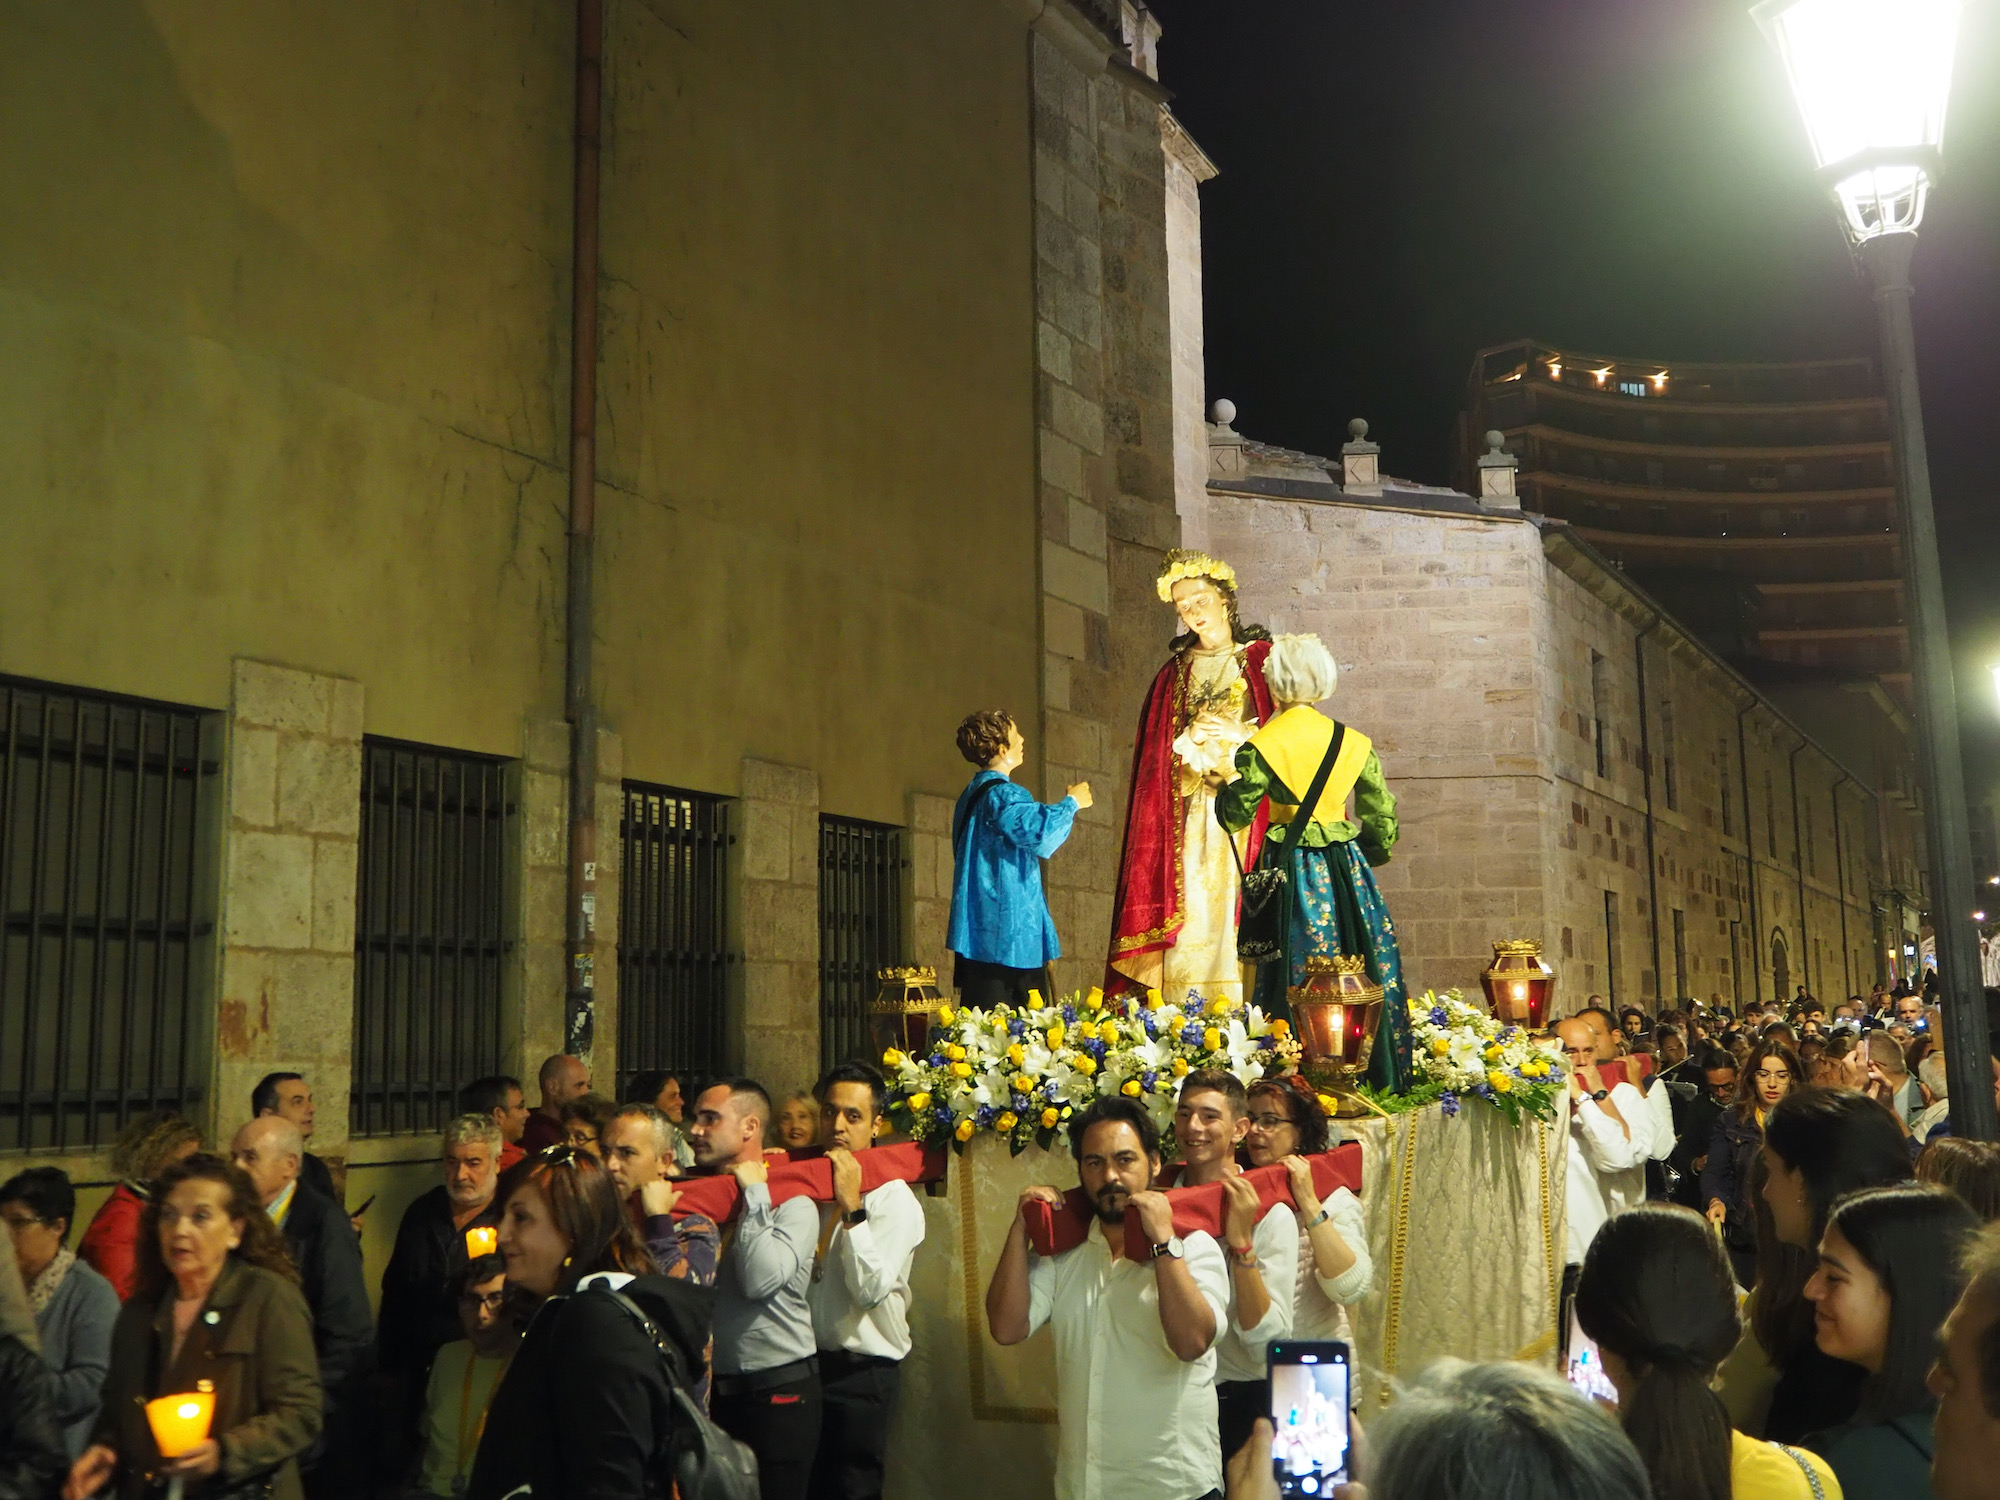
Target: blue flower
(1016, 1026)
(1147, 1079)
(1020, 1102)
(985, 1115)
(937, 1059)
(1069, 1015)
(1438, 1016)
(1448, 1103)
(1049, 1089)
(942, 1114)
(1191, 1033)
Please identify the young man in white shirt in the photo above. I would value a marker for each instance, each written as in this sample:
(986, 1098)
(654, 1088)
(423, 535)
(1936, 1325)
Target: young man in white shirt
(1263, 1252)
(766, 1390)
(860, 1293)
(1135, 1361)
(1611, 1137)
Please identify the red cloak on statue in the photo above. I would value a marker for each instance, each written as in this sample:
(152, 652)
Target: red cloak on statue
(1149, 912)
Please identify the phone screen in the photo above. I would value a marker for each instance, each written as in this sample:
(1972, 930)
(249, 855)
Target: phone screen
(1309, 1416)
(1585, 1365)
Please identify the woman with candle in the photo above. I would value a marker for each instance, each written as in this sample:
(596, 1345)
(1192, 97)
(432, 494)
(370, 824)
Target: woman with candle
(217, 1300)
(585, 1410)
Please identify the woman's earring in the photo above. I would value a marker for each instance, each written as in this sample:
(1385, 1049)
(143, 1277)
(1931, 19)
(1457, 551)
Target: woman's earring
(565, 1262)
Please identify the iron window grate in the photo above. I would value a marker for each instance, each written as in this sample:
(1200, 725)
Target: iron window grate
(860, 927)
(106, 810)
(672, 932)
(430, 932)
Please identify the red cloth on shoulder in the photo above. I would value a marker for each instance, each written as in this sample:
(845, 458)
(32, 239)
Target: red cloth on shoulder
(1052, 1231)
(811, 1176)
(1633, 1070)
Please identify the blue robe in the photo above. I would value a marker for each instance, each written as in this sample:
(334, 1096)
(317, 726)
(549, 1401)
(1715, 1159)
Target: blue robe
(998, 912)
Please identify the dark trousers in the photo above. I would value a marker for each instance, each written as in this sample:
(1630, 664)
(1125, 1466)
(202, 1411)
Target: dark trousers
(781, 1425)
(1238, 1405)
(984, 985)
(859, 1396)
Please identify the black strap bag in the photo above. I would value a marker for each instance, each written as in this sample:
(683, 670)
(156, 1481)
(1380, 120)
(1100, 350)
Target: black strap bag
(1261, 925)
(708, 1464)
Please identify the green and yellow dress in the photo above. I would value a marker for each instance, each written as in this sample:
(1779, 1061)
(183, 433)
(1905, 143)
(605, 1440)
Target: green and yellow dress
(1336, 906)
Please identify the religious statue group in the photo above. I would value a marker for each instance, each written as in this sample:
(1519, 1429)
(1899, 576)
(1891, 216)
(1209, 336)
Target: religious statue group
(1224, 869)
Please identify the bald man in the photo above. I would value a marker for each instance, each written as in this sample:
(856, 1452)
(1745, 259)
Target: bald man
(562, 1078)
(270, 1151)
(1611, 1133)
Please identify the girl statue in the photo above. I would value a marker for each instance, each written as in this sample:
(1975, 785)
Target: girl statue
(1335, 906)
(1173, 926)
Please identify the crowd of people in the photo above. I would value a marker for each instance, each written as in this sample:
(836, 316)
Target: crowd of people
(551, 1320)
(1784, 1264)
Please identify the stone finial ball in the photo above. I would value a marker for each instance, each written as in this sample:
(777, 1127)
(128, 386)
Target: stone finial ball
(1495, 439)
(1222, 411)
(1357, 430)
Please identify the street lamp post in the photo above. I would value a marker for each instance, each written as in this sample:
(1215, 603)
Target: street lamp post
(1872, 78)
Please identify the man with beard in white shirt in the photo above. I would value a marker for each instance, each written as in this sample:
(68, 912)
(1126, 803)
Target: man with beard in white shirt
(1135, 1361)
(860, 1292)
(1263, 1251)
(1611, 1136)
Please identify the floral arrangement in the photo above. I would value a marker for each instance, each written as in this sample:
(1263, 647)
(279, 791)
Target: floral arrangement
(1021, 1072)
(1459, 1050)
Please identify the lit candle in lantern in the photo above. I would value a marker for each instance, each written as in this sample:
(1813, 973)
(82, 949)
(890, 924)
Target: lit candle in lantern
(180, 1423)
(481, 1239)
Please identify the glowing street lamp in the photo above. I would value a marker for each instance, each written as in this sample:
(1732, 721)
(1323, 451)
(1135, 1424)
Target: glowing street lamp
(1872, 78)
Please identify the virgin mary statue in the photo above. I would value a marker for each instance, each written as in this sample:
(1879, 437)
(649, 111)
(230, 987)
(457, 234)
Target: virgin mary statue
(1174, 925)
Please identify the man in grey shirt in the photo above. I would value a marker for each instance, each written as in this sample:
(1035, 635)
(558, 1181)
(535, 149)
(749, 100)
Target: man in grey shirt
(766, 1371)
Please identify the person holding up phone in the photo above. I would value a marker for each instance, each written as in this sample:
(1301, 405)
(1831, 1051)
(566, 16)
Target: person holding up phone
(1263, 1249)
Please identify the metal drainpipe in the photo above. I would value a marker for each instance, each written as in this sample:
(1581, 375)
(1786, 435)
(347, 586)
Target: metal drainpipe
(1799, 865)
(1840, 884)
(1749, 858)
(1646, 768)
(579, 700)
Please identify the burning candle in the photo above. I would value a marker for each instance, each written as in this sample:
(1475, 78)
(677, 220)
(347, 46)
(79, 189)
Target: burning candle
(180, 1423)
(481, 1240)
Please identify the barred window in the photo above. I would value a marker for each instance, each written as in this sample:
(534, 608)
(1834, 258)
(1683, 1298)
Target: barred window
(431, 937)
(107, 808)
(672, 932)
(860, 927)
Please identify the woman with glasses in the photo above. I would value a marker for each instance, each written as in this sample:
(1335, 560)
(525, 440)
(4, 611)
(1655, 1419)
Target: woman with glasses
(217, 1302)
(1771, 1072)
(74, 1307)
(1287, 1125)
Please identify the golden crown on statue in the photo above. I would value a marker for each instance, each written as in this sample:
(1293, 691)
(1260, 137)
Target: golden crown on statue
(1183, 562)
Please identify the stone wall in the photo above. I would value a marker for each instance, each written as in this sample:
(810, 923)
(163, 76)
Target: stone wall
(774, 917)
(286, 999)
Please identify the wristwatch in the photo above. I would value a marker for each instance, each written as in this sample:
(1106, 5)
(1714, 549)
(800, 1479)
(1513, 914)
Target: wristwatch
(1170, 1246)
(1319, 1218)
(859, 1216)
(1600, 1095)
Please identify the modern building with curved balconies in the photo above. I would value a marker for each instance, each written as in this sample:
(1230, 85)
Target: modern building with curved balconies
(1756, 500)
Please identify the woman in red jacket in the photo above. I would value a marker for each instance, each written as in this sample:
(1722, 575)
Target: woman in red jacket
(144, 1149)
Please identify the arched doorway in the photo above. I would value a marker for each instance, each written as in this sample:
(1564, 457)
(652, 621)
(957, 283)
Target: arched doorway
(1781, 967)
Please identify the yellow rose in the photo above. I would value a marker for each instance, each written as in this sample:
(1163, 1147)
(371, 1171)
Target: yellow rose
(961, 1070)
(1017, 1054)
(964, 1131)
(1034, 999)
(1211, 1039)
(1493, 1054)
(1281, 1027)
(944, 1015)
(1085, 1066)
(1501, 1082)
(1023, 1084)
(1107, 1030)
(1179, 1067)
(1007, 1121)
(1152, 999)
(1055, 1036)
(1094, 1000)
(1218, 1007)
(1439, 1046)
(1049, 1118)
(892, 1058)
(1087, 1030)
(1329, 1104)
(1131, 1089)
(955, 1052)
(919, 1103)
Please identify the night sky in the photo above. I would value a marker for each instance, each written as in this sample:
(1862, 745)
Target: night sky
(1403, 184)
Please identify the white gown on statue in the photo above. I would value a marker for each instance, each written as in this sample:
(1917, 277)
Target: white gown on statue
(1203, 956)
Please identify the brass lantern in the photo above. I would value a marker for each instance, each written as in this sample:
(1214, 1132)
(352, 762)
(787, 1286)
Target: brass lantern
(900, 1016)
(1336, 1011)
(1519, 986)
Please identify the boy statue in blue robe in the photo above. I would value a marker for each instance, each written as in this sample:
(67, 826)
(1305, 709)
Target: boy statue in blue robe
(1001, 933)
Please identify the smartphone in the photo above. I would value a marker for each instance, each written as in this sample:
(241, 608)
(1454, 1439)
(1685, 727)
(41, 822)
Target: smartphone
(1309, 1385)
(1584, 1365)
